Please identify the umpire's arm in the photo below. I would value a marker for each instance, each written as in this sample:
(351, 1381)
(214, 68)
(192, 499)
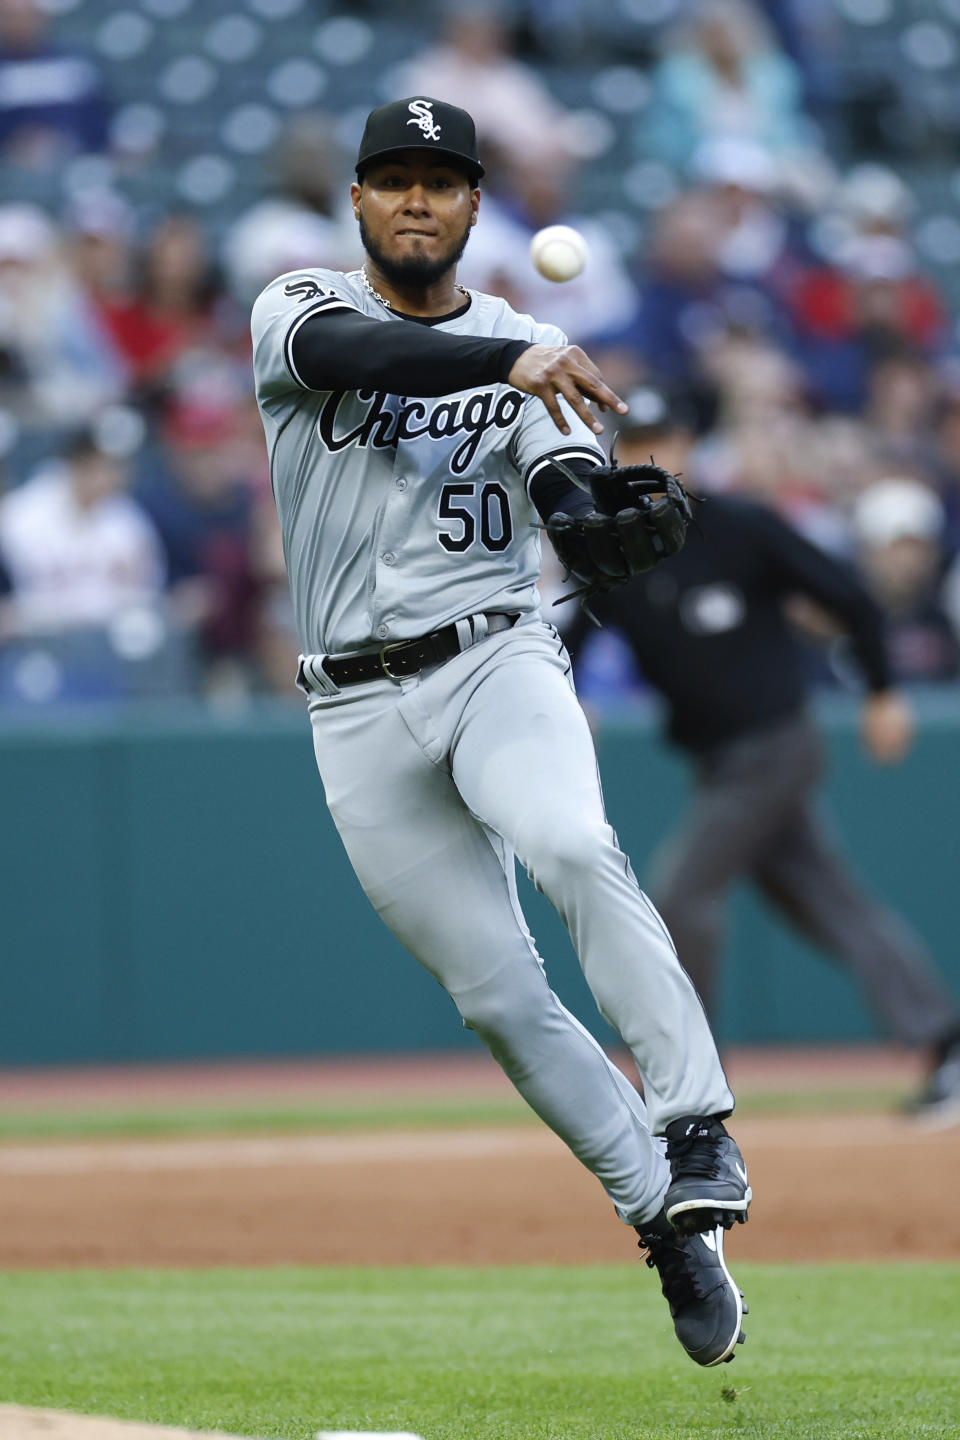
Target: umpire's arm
(795, 566)
(799, 567)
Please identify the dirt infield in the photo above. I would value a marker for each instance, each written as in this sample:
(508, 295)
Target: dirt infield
(835, 1187)
(19, 1422)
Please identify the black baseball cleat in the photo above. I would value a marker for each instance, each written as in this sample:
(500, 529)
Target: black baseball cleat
(937, 1107)
(708, 1185)
(705, 1303)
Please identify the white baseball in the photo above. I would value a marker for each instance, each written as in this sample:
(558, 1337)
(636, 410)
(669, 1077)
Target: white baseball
(559, 252)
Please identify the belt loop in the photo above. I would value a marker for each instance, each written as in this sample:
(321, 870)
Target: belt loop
(464, 634)
(313, 679)
(481, 627)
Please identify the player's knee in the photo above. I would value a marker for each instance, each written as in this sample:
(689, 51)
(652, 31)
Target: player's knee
(561, 852)
(511, 1005)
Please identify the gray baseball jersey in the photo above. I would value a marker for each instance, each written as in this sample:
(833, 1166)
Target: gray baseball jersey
(400, 514)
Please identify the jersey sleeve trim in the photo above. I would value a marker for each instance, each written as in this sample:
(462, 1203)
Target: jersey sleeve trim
(321, 307)
(542, 462)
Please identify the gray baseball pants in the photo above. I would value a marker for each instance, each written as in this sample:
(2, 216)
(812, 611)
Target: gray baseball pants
(753, 816)
(435, 784)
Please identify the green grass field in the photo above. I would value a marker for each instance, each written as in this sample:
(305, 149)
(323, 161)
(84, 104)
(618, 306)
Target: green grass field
(225, 1117)
(581, 1353)
(497, 1354)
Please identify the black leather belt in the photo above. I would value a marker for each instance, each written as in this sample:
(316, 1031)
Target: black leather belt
(406, 657)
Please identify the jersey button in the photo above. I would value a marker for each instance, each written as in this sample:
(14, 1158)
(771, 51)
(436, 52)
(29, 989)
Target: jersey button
(401, 483)
(383, 631)
(388, 557)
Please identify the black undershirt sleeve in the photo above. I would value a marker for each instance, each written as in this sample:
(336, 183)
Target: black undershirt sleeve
(550, 490)
(344, 350)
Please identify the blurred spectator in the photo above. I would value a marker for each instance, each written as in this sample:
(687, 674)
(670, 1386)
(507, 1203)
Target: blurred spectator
(200, 496)
(694, 318)
(520, 198)
(56, 362)
(764, 444)
(903, 390)
(898, 528)
(307, 221)
(76, 549)
(867, 298)
(743, 178)
(175, 304)
(27, 261)
(946, 462)
(471, 64)
(99, 232)
(810, 33)
(789, 306)
(762, 214)
(722, 74)
(682, 312)
(52, 105)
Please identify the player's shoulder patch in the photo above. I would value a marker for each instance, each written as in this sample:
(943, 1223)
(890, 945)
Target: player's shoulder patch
(304, 288)
(300, 285)
(290, 297)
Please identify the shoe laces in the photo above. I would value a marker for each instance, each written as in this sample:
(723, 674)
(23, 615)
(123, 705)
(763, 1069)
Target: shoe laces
(681, 1278)
(699, 1152)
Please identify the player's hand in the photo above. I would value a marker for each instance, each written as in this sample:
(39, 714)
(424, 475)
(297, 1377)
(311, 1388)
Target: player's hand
(548, 371)
(887, 726)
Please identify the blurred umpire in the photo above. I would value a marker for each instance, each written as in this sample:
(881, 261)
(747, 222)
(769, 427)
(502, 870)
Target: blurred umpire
(709, 631)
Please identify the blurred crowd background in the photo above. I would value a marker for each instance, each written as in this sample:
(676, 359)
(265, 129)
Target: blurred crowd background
(771, 194)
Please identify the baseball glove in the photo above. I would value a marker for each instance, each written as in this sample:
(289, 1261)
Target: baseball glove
(640, 516)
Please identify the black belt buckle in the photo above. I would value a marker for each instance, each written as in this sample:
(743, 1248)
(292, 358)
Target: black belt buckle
(385, 664)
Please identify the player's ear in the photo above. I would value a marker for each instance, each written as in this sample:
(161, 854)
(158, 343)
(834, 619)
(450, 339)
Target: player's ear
(355, 193)
(474, 205)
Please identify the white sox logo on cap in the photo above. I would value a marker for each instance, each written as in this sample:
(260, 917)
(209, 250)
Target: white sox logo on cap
(419, 122)
(422, 113)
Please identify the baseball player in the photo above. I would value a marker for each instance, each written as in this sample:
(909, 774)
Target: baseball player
(419, 436)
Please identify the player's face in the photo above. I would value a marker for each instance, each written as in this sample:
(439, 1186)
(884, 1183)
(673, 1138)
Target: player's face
(415, 216)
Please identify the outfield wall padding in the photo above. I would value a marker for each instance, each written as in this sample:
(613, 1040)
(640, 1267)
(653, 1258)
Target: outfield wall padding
(174, 888)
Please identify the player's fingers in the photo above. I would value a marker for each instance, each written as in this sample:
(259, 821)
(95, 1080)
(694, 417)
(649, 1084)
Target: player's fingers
(549, 397)
(578, 402)
(550, 371)
(597, 389)
(575, 387)
(591, 383)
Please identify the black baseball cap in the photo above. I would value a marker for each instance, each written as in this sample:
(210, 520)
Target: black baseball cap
(654, 412)
(419, 123)
(649, 409)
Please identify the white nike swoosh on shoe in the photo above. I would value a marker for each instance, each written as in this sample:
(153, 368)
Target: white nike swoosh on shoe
(740, 1171)
(710, 1240)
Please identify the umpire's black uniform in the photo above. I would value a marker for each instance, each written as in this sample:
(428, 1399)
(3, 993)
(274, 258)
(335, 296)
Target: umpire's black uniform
(709, 631)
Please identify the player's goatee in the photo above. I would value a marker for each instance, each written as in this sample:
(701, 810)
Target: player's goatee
(413, 269)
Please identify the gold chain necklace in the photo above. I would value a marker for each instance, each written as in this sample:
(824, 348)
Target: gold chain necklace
(364, 280)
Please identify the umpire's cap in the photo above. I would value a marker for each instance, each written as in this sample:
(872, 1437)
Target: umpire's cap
(654, 412)
(419, 123)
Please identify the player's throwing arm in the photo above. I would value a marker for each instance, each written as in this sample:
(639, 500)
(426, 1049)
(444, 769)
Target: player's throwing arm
(548, 371)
